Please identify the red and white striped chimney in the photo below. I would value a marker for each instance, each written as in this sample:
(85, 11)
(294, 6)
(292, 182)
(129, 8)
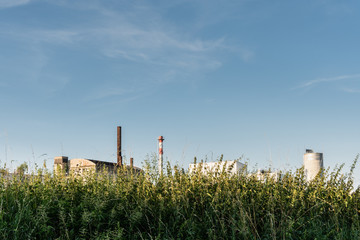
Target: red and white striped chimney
(161, 152)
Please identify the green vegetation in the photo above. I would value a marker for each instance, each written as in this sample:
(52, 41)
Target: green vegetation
(178, 205)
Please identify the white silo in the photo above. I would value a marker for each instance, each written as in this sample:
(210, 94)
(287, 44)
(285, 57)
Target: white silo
(313, 163)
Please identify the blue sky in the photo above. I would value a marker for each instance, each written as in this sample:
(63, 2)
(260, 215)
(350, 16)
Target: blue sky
(259, 79)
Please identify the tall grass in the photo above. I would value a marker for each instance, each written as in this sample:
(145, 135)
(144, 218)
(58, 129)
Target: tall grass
(178, 205)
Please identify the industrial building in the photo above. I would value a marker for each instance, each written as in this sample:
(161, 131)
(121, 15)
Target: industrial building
(232, 167)
(313, 164)
(263, 175)
(79, 166)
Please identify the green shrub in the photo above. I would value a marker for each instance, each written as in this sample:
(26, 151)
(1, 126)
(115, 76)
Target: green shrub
(178, 205)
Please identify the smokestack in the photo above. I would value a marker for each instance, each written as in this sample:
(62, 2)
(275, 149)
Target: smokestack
(161, 139)
(131, 162)
(119, 156)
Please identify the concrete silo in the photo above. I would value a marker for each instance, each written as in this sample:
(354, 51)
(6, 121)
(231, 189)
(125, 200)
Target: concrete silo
(313, 163)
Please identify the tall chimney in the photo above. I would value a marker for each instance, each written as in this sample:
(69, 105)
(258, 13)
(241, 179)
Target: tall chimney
(131, 162)
(119, 156)
(160, 163)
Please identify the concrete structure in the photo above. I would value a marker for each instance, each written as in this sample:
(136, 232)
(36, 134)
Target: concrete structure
(232, 167)
(61, 164)
(263, 175)
(81, 165)
(313, 164)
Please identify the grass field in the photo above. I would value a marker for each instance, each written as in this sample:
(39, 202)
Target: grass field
(178, 205)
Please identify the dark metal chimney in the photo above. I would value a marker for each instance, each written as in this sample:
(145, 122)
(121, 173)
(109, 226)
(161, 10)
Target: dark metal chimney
(131, 162)
(119, 156)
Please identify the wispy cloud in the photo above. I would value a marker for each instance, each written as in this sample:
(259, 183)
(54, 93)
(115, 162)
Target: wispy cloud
(336, 7)
(107, 93)
(350, 90)
(40, 36)
(32, 61)
(155, 46)
(112, 96)
(330, 79)
(124, 36)
(33, 75)
(13, 3)
(55, 36)
(131, 42)
(136, 36)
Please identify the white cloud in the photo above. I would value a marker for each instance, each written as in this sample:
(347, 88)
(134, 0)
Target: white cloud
(13, 3)
(124, 36)
(35, 36)
(247, 55)
(32, 62)
(134, 37)
(55, 36)
(106, 93)
(156, 47)
(117, 53)
(133, 43)
(138, 35)
(33, 74)
(123, 96)
(330, 79)
(350, 90)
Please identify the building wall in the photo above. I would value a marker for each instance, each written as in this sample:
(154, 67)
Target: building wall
(263, 175)
(233, 167)
(80, 166)
(61, 164)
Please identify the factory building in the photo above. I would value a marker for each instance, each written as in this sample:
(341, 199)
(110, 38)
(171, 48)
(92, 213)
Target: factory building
(79, 166)
(232, 167)
(263, 175)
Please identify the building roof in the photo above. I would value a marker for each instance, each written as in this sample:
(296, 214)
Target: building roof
(111, 164)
